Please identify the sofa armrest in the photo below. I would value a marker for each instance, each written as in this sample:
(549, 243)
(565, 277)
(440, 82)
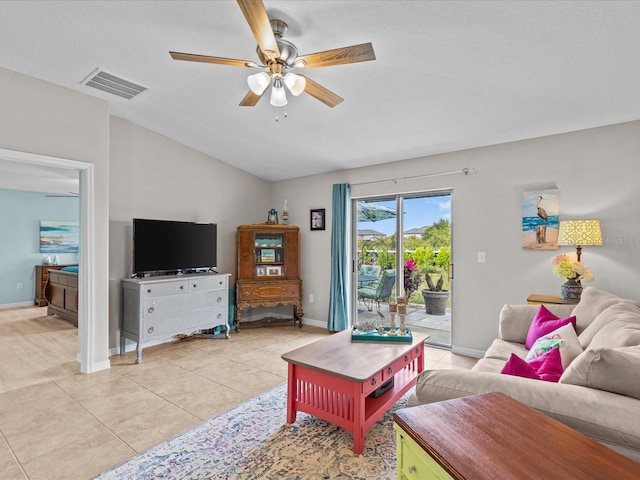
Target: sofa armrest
(604, 416)
(515, 320)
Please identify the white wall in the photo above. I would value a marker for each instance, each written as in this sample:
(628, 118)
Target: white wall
(595, 171)
(155, 177)
(42, 118)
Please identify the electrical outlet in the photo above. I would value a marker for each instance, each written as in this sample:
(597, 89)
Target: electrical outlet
(311, 298)
(482, 256)
(19, 287)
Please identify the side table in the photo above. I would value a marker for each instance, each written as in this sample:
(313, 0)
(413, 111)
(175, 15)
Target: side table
(492, 436)
(537, 299)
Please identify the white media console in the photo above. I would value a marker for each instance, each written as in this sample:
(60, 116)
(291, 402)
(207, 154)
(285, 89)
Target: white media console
(155, 309)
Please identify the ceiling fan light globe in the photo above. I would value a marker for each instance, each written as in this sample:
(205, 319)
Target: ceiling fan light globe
(258, 82)
(295, 83)
(278, 96)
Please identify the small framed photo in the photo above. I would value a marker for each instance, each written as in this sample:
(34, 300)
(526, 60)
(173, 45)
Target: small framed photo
(260, 271)
(274, 271)
(317, 219)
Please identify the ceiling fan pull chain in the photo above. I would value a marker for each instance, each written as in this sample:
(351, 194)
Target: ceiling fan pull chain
(278, 113)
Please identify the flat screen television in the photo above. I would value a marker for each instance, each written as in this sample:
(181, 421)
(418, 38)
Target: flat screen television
(164, 246)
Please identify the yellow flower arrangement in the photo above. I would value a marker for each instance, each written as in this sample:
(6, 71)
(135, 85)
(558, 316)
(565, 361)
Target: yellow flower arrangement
(564, 267)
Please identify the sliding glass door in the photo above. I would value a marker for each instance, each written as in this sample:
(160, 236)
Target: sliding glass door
(415, 264)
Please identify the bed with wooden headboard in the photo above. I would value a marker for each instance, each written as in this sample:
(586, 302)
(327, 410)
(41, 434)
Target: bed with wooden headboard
(62, 294)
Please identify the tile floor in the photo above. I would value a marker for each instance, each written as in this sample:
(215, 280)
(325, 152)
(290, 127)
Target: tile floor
(56, 423)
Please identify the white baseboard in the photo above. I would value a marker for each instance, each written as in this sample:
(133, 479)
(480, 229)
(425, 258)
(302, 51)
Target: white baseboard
(16, 305)
(97, 366)
(467, 352)
(314, 323)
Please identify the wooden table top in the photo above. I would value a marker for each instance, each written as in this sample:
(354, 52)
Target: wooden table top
(553, 299)
(493, 436)
(355, 361)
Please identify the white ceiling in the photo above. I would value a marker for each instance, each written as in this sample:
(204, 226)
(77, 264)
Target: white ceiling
(448, 75)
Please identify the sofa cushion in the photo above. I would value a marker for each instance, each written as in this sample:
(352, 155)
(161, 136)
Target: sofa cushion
(625, 308)
(547, 367)
(624, 331)
(502, 350)
(610, 369)
(592, 303)
(490, 365)
(563, 338)
(545, 322)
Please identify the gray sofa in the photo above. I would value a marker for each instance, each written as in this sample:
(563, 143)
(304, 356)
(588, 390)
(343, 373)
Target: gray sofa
(598, 393)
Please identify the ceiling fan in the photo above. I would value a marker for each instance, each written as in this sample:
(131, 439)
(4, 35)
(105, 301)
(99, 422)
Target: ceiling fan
(278, 56)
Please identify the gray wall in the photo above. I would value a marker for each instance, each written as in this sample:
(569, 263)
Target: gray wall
(20, 215)
(595, 171)
(151, 176)
(155, 177)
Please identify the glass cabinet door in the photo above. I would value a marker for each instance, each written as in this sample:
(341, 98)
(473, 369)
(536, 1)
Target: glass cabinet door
(269, 255)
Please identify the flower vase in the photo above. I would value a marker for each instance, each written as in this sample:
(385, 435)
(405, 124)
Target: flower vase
(571, 289)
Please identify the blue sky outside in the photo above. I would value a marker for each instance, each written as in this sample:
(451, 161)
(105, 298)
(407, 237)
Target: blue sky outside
(418, 212)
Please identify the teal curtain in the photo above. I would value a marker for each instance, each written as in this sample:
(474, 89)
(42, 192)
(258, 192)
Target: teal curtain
(338, 311)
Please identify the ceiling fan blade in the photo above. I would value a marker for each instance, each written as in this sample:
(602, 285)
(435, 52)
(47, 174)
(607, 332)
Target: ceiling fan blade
(256, 16)
(338, 56)
(192, 57)
(250, 99)
(319, 92)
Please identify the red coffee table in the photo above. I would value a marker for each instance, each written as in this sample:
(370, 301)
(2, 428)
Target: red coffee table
(333, 378)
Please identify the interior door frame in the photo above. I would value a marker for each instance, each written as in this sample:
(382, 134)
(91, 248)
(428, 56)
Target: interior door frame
(86, 265)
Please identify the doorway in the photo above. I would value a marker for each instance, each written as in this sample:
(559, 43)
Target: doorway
(415, 264)
(86, 286)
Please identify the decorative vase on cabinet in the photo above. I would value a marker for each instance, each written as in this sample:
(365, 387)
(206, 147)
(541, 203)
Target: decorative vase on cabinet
(268, 270)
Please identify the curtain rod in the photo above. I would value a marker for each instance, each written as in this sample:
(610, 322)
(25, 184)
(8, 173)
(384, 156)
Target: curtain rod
(466, 171)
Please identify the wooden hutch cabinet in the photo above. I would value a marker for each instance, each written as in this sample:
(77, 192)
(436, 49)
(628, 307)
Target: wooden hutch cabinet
(268, 269)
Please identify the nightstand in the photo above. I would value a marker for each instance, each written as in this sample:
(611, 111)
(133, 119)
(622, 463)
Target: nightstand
(537, 299)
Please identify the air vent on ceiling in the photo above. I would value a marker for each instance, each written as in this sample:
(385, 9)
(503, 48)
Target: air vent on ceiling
(110, 83)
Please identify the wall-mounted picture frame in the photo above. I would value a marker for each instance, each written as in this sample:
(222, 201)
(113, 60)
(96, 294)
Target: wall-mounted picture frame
(274, 271)
(540, 219)
(59, 237)
(317, 216)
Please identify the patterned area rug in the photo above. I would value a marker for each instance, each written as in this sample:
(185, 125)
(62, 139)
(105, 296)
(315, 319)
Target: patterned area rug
(253, 441)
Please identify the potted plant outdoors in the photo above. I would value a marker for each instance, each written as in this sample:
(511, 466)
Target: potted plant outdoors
(435, 298)
(412, 277)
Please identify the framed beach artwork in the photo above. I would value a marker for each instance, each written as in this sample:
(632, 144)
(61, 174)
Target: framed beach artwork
(59, 237)
(540, 220)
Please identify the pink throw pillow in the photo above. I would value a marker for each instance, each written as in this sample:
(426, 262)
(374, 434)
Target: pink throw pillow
(545, 322)
(519, 367)
(547, 367)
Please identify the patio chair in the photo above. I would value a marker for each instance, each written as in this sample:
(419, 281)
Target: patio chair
(368, 275)
(378, 292)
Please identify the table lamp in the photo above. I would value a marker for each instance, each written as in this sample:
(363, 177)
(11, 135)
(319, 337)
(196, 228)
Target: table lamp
(579, 233)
